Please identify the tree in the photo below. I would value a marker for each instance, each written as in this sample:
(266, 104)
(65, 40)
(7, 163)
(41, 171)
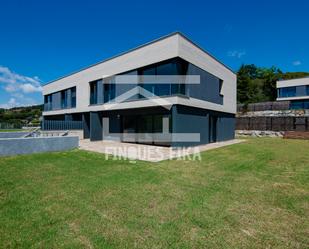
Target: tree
(257, 84)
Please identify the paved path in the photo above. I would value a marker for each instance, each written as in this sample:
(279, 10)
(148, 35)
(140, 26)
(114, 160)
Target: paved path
(149, 153)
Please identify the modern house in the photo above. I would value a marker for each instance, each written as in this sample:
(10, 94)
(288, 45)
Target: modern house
(296, 91)
(114, 100)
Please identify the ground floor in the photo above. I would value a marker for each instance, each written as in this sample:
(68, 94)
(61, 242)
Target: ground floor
(177, 126)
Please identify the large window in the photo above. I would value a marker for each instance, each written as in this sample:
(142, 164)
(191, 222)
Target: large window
(93, 92)
(173, 67)
(109, 89)
(64, 99)
(307, 90)
(60, 100)
(146, 128)
(104, 90)
(48, 102)
(73, 97)
(287, 92)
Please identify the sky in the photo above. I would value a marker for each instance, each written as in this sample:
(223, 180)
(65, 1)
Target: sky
(43, 40)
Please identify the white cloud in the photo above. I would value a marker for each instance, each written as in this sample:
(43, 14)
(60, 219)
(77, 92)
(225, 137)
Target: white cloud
(297, 63)
(10, 104)
(14, 82)
(236, 53)
(18, 99)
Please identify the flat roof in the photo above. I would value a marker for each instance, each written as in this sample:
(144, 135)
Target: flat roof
(138, 47)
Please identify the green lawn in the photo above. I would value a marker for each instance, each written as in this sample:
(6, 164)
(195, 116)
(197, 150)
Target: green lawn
(249, 195)
(11, 130)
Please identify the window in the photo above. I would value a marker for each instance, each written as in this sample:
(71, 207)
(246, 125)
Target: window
(93, 92)
(109, 89)
(48, 102)
(64, 99)
(173, 67)
(73, 97)
(307, 90)
(287, 92)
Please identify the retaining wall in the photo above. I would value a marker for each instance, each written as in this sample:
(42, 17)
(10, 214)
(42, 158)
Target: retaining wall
(17, 146)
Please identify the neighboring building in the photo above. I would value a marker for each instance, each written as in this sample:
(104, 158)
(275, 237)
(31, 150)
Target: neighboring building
(296, 91)
(91, 95)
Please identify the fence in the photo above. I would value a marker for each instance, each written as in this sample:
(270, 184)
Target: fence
(61, 125)
(264, 106)
(273, 123)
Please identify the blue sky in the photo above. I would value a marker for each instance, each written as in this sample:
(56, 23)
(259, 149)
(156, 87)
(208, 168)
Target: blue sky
(43, 40)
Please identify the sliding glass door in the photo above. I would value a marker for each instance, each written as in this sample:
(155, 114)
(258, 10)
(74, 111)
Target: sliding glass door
(145, 129)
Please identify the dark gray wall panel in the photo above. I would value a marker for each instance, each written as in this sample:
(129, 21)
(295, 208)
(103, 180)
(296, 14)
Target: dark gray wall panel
(226, 127)
(194, 120)
(96, 129)
(184, 120)
(86, 125)
(208, 89)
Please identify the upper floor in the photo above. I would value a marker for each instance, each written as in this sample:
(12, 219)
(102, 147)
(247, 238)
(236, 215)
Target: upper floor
(98, 87)
(294, 89)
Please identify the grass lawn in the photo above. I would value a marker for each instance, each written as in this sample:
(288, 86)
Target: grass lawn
(249, 195)
(11, 130)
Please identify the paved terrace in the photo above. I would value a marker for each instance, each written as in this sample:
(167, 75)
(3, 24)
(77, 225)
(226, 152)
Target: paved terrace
(148, 153)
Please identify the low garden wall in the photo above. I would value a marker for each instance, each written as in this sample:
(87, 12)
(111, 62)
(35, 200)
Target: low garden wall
(17, 146)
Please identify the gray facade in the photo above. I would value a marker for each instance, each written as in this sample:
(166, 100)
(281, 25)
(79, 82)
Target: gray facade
(207, 108)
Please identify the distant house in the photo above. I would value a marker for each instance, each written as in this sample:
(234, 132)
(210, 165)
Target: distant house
(296, 91)
(91, 94)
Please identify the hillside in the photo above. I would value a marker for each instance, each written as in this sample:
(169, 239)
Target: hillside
(19, 116)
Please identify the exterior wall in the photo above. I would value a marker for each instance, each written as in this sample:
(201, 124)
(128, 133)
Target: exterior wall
(226, 127)
(17, 146)
(186, 121)
(193, 120)
(198, 57)
(163, 49)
